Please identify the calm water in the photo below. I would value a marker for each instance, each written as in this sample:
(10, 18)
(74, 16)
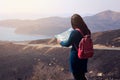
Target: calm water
(8, 34)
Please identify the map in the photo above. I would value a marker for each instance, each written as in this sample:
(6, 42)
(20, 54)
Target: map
(64, 35)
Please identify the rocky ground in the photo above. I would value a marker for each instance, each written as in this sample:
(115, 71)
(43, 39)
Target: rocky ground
(41, 62)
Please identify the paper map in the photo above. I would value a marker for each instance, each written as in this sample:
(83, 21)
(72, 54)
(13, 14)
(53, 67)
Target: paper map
(64, 35)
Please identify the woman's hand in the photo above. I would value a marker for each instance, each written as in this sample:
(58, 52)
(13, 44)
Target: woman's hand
(58, 41)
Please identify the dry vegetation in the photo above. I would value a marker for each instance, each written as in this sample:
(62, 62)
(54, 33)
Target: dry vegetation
(108, 38)
(23, 62)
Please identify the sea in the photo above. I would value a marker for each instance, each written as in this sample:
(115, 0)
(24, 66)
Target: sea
(8, 34)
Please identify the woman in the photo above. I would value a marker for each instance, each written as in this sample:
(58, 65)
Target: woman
(78, 66)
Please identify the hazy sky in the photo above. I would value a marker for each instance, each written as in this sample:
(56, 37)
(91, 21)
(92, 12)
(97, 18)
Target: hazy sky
(45, 8)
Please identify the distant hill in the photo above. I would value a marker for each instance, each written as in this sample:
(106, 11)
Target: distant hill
(45, 26)
(108, 38)
(103, 21)
(52, 41)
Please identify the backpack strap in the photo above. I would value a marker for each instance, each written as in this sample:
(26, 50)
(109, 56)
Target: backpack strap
(82, 35)
(80, 31)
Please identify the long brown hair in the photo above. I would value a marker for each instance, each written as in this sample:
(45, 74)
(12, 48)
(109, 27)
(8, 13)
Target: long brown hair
(78, 22)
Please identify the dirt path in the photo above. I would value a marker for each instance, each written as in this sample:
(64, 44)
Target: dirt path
(101, 47)
(105, 47)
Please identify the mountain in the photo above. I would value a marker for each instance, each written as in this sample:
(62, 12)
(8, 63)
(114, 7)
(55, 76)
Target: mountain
(45, 26)
(108, 38)
(103, 21)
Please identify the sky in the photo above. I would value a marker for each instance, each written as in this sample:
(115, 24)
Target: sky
(34, 9)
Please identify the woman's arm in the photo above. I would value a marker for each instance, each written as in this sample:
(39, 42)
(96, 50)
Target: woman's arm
(69, 41)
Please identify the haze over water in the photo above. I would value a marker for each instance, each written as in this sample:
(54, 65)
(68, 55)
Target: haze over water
(8, 34)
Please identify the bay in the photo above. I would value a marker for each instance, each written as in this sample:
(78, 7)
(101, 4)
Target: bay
(8, 34)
